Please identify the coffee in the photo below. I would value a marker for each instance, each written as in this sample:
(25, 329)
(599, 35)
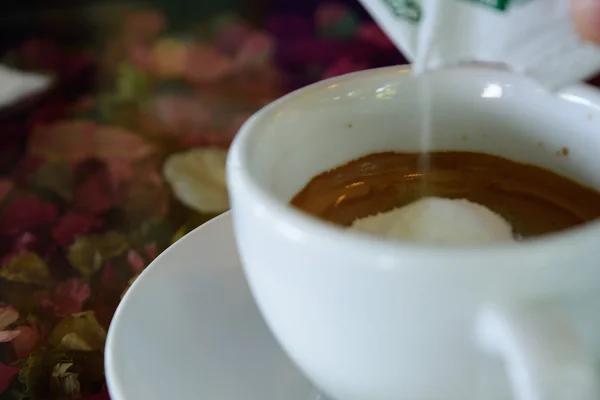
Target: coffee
(535, 201)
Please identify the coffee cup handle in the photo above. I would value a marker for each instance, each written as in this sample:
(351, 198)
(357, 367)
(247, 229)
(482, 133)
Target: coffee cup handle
(542, 353)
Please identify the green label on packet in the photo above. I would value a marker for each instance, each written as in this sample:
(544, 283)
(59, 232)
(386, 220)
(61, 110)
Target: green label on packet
(501, 5)
(407, 9)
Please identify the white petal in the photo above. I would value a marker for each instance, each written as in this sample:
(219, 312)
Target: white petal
(197, 177)
(16, 85)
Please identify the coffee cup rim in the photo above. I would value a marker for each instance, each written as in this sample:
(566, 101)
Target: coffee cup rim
(296, 222)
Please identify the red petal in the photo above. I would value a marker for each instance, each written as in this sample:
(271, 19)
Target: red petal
(26, 342)
(95, 195)
(6, 185)
(71, 225)
(26, 212)
(67, 298)
(109, 279)
(151, 251)
(6, 375)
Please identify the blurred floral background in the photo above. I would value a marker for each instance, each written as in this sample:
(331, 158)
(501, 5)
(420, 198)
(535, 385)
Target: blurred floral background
(120, 151)
(115, 148)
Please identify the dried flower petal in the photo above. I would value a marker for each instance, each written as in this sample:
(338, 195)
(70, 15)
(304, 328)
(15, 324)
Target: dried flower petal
(67, 298)
(70, 225)
(206, 65)
(6, 186)
(56, 177)
(169, 58)
(26, 342)
(112, 142)
(6, 376)
(64, 382)
(88, 253)
(255, 52)
(96, 194)
(26, 268)
(231, 36)
(26, 212)
(183, 113)
(151, 251)
(79, 332)
(30, 243)
(146, 198)
(71, 140)
(8, 316)
(135, 260)
(198, 179)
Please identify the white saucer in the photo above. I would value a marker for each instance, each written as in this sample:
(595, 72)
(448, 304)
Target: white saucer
(188, 328)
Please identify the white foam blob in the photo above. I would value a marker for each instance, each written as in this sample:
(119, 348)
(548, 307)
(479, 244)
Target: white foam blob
(439, 221)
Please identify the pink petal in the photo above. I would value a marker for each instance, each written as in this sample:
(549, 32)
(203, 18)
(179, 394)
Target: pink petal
(206, 65)
(26, 342)
(6, 186)
(25, 212)
(136, 261)
(28, 242)
(67, 298)
(7, 336)
(6, 376)
(70, 225)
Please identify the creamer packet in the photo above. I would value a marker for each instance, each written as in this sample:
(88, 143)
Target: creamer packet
(532, 37)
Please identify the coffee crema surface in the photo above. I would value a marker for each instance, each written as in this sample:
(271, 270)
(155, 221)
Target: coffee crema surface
(534, 200)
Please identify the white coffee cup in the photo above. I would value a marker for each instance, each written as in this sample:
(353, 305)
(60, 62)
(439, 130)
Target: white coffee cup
(370, 319)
